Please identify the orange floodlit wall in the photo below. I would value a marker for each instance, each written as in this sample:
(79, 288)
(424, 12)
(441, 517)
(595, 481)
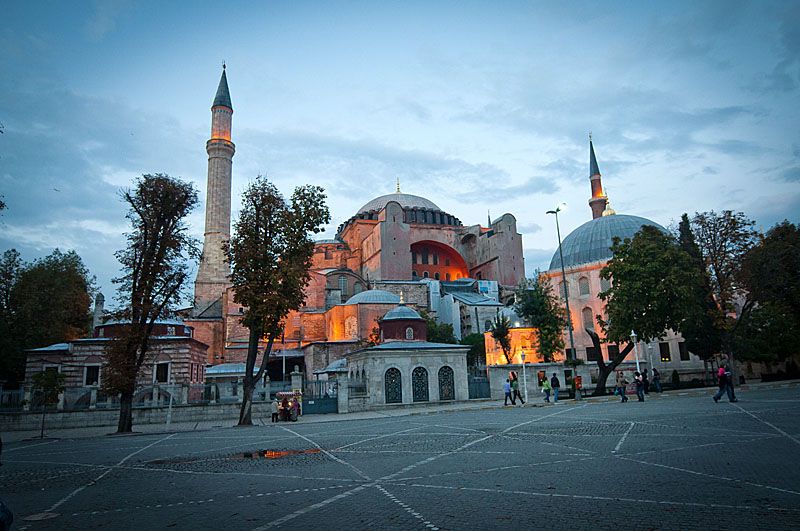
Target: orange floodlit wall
(429, 259)
(523, 339)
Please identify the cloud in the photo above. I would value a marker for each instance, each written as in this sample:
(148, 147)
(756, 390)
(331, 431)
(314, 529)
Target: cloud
(104, 18)
(537, 259)
(792, 174)
(529, 228)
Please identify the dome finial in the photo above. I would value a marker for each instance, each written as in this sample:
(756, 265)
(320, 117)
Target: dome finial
(398, 186)
(608, 210)
(401, 297)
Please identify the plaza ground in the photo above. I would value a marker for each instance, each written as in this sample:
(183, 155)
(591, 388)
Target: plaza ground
(673, 462)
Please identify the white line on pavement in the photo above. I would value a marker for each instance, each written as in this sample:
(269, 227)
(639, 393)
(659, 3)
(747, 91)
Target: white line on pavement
(304, 510)
(771, 425)
(407, 509)
(326, 452)
(101, 476)
(622, 440)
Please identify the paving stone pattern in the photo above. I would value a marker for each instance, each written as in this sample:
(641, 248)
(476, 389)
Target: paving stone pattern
(678, 463)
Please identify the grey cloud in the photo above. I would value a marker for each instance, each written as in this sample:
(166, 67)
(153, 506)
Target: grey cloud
(708, 170)
(537, 259)
(792, 174)
(529, 228)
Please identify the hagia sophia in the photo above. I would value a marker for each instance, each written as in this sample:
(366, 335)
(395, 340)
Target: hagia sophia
(401, 245)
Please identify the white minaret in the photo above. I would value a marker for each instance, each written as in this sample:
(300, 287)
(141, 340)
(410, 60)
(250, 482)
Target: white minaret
(212, 276)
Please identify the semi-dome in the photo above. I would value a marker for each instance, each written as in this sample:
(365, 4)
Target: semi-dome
(405, 200)
(374, 296)
(402, 313)
(591, 242)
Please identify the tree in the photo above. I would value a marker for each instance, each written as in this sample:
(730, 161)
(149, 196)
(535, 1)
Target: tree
(155, 271)
(50, 384)
(724, 239)
(270, 254)
(652, 291)
(438, 332)
(43, 302)
(541, 308)
(700, 331)
(501, 332)
(11, 366)
(477, 352)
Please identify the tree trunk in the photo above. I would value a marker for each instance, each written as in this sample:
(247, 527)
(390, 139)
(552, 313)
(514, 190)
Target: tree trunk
(125, 424)
(605, 370)
(245, 413)
(602, 376)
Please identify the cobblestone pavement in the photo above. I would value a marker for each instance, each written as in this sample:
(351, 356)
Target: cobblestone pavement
(683, 463)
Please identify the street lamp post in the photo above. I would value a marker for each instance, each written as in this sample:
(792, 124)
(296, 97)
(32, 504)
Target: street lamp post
(650, 358)
(635, 350)
(566, 300)
(524, 378)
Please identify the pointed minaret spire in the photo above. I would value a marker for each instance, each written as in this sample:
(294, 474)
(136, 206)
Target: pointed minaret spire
(212, 275)
(488, 219)
(598, 200)
(398, 186)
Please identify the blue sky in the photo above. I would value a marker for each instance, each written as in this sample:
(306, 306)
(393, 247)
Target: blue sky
(478, 106)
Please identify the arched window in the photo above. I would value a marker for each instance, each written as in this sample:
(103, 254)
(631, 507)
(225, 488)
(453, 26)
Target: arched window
(409, 333)
(436, 275)
(425, 274)
(563, 289)
(487, 325)
(419, 384)
(447, 385)
(393, 384)
(414, 275)
(583, 286)
(343, 286)
(605, 285)
(447, 276)
(588, 318)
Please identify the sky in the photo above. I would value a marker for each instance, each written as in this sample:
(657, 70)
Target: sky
(482, 107)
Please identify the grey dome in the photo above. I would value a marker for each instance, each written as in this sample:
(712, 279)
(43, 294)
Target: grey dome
(591, 242)
(374, 296)
(401, 313)
(405, 200)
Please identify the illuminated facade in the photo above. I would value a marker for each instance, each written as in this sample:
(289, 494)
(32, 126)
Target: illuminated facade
(396, 244)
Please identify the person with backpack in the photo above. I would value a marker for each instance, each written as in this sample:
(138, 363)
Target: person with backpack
(656, 380)
(507, 391)
(556, 385)
(546, 388)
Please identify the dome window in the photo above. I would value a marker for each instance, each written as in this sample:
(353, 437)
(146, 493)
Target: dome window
(583, 287)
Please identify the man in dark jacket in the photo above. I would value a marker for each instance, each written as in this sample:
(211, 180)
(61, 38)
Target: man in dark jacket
(555, 384)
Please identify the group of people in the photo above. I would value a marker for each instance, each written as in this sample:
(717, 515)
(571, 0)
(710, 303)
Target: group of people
(511, 389)
(285, 410)
(642, 384)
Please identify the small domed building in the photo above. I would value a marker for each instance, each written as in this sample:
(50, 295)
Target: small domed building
(586, 250)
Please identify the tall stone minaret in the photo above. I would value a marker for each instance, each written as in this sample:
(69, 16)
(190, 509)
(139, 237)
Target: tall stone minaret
(212, 276)
(599, 200)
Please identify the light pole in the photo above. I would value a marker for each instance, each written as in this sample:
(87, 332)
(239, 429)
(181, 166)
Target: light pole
(650, 358)
(566, 300)
(635, 350)
(524, 378)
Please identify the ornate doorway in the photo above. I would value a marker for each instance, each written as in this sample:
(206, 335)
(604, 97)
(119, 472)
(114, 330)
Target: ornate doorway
(419, 384)
(447, 384)
(394, 386)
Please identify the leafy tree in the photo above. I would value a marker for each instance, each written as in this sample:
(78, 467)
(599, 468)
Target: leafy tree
(767, 334)
(43, 302)
(653, 291)
(541, 308)
(438, 332)
(501, 332)
(724, 239)
(477, 352)
(11, 359)
(700, 331)
(270, 255)
(50, 384)
(155, 273)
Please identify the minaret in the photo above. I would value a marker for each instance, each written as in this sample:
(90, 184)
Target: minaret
(212, 276)
(599, 199)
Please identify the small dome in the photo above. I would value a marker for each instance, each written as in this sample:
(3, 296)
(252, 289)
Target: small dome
(405, 200)
(591, 242)
(374, 296)
(402, 313)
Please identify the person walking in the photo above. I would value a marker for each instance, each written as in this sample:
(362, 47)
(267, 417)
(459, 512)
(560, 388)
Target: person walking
(622, 385)
(507, 391)
(274, 410)
(637, 377)
(656, 380)
(729, 382)
(556, 385)
(646, 382)
(515, 390)
(721, 378)
(546, 388)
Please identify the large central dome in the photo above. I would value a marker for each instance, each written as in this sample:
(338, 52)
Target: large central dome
(591, 242)
(405, 200)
